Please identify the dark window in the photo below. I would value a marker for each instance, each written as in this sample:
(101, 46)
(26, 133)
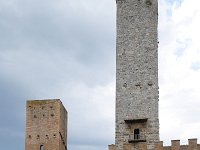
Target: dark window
(41, 147)
(137, 134)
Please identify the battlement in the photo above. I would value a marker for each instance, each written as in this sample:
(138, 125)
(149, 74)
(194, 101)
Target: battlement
(175, 145)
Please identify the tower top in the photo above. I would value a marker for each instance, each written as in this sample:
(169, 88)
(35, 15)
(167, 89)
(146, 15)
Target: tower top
(148, 2)
(43, 100)
(46, 125)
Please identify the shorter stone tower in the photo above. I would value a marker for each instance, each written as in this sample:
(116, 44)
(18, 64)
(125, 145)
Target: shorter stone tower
(46, 125)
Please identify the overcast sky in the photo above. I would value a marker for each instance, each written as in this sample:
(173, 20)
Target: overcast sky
(66, 49)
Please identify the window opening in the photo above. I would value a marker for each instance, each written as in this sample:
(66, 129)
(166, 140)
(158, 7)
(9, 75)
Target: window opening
(137, 134)
(41, 147)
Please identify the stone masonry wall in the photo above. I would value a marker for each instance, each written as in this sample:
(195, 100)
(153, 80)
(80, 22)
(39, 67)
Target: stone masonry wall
(175, 145)
(137, 71)
(45, 124)
(63, 128)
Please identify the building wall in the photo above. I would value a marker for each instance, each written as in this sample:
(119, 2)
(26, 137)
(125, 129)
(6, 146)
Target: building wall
(63, 128)
(45, 123)
(175, 145)
(137, 71)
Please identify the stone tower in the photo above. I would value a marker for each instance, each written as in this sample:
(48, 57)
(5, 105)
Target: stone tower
(137, 74)
(46, 125)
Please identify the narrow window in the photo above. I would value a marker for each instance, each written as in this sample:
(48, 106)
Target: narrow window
(137, 134)
(41, 147)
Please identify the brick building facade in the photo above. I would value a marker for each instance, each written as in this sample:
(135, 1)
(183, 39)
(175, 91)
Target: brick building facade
(46, 125)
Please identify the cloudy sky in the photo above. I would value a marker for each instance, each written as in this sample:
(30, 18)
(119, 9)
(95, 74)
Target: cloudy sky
(66, 49)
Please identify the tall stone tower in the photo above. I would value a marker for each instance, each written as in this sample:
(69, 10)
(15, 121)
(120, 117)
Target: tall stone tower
(46, 125)
(137, 74)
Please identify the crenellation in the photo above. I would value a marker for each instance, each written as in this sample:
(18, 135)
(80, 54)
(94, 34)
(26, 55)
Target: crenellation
(175, 144)
(192, 144)
(158, 145)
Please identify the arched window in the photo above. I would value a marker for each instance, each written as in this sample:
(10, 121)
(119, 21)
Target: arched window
(41, 147)
(137, 134)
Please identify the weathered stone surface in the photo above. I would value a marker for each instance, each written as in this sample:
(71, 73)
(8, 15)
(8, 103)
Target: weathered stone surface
(192, 144)
(137, 96)
(175, 145)
(137, 71)
(46, 125)
(111, 147)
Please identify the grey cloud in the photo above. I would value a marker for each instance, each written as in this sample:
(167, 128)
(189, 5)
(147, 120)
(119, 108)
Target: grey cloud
(12, 115)
(46, 48)
(46, 28)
